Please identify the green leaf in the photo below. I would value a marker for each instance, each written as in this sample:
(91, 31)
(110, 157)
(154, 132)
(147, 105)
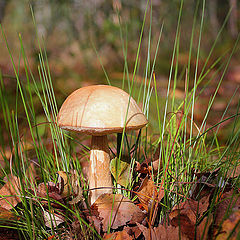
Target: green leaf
(120, 171)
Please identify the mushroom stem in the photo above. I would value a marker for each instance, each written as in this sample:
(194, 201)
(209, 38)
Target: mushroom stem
(99, 170)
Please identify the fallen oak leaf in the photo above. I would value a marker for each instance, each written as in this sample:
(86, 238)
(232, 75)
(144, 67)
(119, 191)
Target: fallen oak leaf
(194, 208)
(161, 232)
(123, 235)
(227, 201)
(147, 193)
(9, 193)
(230, 227)
(150, 198)
(186, 214)
(44, 189)
(116, 210)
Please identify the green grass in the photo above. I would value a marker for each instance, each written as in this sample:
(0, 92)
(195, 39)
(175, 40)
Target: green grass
(183, 154)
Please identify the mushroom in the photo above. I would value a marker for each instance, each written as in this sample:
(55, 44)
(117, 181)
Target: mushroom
(100, 110)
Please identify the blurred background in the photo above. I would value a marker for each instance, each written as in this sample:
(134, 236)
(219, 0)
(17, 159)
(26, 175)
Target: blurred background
(78, 35)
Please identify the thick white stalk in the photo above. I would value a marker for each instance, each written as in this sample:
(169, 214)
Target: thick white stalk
(99, 169)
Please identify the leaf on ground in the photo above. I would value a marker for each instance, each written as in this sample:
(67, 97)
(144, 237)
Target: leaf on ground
(230, 226)
(151, 164)
(68, 185)
(205, 184)
(147, 193)
(8, 234)
(49, 190)
(7, 215)
(121, 171)
(52, 218)
(44, 188)
(234, 172)
(143, 168)
(117, 208)
(227, 202)
(156, 166)
(193, 207)
(123, 235)
(133, 231)
(96, 222)
(9, 193)
(161, 233)
(203, 228)
(79, 230)
(186, 214)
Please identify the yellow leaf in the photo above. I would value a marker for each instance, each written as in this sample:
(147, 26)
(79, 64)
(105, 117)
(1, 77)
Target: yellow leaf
(120, 171)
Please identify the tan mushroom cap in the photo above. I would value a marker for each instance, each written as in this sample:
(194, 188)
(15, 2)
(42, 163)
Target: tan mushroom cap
(99, 110)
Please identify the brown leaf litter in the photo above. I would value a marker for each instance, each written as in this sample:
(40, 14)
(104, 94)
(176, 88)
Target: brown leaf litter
(9, 193)
(161, 233)
(186, 214)
(115, 210)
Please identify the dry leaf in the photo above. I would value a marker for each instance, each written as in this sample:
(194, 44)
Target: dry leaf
(234, 172)
(203, 228)
(9, 193)
(96, 222)
(156, 166)
(161, 233)
(118, 208)
(133, 231)
(230, 226)
(149, 165)
(8, 234)
(123, 235)
(7, 215)
(229, 200)
(186, 214)
(52, 218)
(44, 189)
(68, 185)
(147, 193)
(80, 231)
(49, 190)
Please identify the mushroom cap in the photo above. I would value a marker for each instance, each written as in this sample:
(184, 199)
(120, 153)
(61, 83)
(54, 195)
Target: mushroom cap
(100, 110)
